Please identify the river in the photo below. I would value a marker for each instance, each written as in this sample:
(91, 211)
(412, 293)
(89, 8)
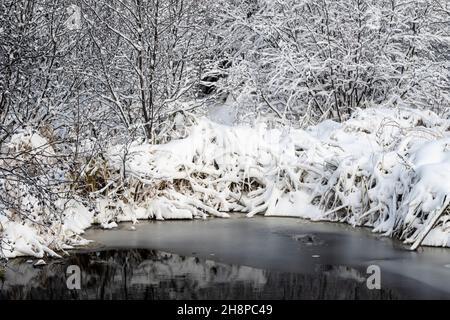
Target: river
(236, 258)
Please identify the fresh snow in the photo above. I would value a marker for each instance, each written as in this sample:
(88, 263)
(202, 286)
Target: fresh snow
(388, 169)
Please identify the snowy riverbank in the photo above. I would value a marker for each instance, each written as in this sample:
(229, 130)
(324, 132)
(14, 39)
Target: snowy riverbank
(388, 169)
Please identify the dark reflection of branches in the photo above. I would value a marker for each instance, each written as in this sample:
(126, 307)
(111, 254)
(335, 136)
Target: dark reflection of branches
(146, 274)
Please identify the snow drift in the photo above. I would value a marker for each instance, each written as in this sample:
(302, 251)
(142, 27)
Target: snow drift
(388, 169)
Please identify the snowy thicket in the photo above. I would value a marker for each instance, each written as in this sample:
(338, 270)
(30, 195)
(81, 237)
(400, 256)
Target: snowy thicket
(383, 168)
(311, 60)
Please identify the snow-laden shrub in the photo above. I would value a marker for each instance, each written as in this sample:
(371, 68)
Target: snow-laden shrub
(24, 199)
(311, 60)
(392, 175)
(36, 205)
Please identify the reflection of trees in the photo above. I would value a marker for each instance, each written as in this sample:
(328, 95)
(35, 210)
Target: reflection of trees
(144, 274)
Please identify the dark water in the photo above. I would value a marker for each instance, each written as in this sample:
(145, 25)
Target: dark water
(237, 258)
(292, 246)
(150, 274)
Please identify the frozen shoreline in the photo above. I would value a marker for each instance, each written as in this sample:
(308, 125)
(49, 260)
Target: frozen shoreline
(387, 169)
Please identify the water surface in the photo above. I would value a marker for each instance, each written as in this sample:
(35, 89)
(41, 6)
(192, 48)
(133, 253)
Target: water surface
(237, 258)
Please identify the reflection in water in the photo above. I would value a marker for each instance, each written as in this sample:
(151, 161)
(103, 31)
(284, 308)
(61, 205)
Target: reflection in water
(149, 274)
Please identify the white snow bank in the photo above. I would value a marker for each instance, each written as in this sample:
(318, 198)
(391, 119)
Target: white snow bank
(384, 168)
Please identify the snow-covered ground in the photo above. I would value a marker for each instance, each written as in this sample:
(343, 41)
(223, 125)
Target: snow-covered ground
(388, 169)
